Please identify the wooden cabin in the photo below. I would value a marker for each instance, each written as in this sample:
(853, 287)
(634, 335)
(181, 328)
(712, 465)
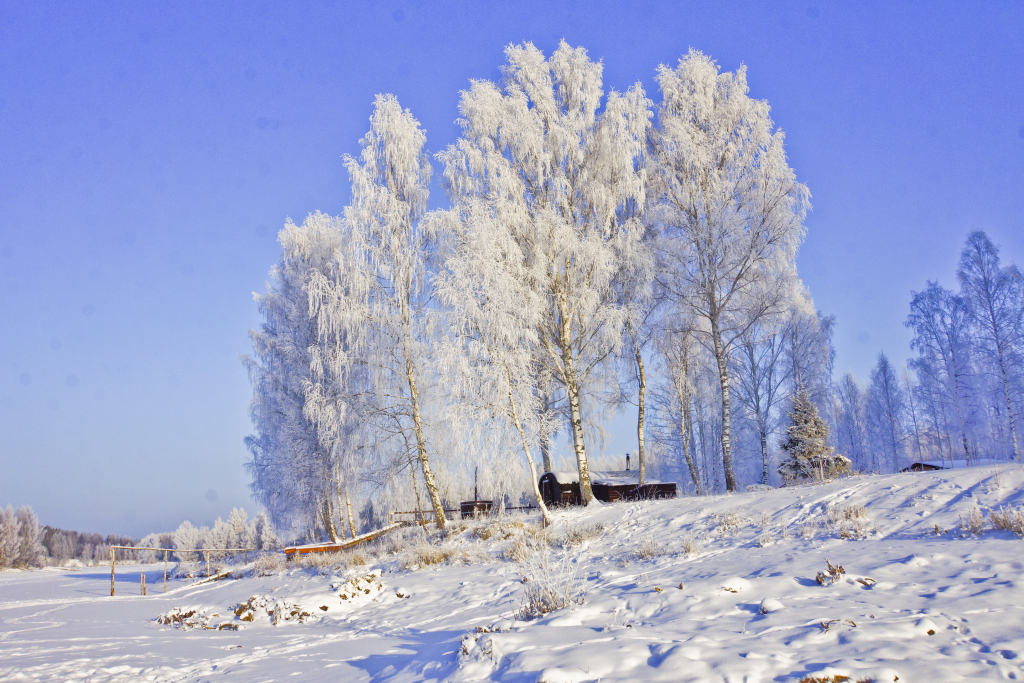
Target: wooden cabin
(563, 488)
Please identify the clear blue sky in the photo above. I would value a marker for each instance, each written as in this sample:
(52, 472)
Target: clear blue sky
(149, 152)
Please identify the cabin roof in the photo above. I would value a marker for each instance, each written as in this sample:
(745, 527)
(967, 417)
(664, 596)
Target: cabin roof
(605, 478)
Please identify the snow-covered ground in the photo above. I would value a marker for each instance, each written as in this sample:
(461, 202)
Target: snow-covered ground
(921, 599)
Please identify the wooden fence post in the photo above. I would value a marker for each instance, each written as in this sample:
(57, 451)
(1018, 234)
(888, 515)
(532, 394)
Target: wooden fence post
(165, 571)
(207, 564)
(143, 582)
(111, 571)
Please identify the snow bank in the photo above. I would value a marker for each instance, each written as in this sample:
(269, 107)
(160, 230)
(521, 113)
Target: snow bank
(694, 589)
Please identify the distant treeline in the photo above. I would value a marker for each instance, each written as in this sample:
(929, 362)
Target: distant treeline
(24, 543)
(63, 545)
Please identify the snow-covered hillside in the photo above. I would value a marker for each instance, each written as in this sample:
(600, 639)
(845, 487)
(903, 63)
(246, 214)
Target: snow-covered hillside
(695, 589)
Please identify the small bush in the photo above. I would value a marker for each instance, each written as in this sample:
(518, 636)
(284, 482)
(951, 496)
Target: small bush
(575, 536)
(323, 563)
(974, 522)
(1008, 519)
(501, 528)
(765, 539)
(550, 583)
(268, 564)
(425, 554)
(692, 543)
(647, 549)
(848, 521)
(187, 570)
(728, 523)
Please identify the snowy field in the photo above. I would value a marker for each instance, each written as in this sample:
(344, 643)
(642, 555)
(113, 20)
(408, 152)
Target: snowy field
(921, 599)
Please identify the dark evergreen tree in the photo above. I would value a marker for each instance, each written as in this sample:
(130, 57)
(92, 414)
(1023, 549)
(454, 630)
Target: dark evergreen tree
(808, 454)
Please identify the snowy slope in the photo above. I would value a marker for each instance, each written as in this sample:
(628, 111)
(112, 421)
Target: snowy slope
(921, 599)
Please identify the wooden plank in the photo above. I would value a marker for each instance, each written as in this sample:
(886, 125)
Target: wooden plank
(335, 547)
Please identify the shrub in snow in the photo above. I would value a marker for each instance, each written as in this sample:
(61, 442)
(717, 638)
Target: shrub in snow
(728, 523)
(323, 563)
(268, 564)
(1008, 519)
(974, 522)
(550, 583)
(502, 528)
(425, 554)
(848, 521)
(692, 543)
(576, 535)
(646, 549)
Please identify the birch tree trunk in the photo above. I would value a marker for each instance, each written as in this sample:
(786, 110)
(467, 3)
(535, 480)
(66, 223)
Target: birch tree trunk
(640, 414)
(682, 391)
(416, 491)
(545, 436)
(575, 414)
(1009, 407)
(351, 520)
(341, 506)
(763, 433)
(328, 514)
(534, 480)
(421, 448)
(723, 377)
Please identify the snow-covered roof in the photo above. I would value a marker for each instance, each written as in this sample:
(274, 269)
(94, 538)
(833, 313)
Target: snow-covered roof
(957, 464)
(606, 478)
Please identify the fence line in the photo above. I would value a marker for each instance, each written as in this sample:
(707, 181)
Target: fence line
(420, 513)
(166, 552)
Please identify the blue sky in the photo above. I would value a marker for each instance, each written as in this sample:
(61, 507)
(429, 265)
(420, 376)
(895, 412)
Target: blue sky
(149, 152)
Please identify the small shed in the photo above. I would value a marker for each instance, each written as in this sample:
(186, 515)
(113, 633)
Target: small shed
(472, 508)
(922, 467)
(563, 488)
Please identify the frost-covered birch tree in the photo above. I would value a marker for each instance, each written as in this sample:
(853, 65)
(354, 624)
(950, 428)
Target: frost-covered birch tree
(551, 171)
(381, 300)
(886, 412)
(995, 303)
(494, 318)
(760, 382)
(291, 465)
(852, 422)
(941, 338)
(728, 208)
(677, 352)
